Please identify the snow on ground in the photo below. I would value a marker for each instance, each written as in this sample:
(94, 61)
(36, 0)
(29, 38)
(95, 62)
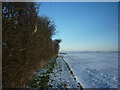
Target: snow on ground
(94, 69)
(57, 74)
(62, 76)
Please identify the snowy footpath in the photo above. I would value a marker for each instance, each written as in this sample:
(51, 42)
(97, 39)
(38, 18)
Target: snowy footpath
(57, 74)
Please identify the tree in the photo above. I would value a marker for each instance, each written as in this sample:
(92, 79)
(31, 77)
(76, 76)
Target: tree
(18, 22)
(27, 42)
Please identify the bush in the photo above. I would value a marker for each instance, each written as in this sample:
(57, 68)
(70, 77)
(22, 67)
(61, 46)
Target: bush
(27, 42)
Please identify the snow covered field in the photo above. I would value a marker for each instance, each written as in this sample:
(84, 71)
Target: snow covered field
(94, 69)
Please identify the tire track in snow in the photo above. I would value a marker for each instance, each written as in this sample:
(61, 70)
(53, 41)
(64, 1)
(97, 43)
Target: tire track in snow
(63, 76)
(71, 71)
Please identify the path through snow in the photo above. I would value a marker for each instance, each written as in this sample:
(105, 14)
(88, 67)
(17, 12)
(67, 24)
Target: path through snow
(57, 74)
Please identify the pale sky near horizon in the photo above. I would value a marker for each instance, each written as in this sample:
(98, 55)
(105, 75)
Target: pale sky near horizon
(84, 26)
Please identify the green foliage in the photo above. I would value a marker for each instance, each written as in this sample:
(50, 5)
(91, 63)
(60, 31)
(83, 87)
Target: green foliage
(40, 80)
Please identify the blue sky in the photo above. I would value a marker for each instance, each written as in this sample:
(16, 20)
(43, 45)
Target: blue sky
(84, 26)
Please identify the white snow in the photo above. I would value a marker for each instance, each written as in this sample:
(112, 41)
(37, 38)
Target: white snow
(61, 76)
(94, 69)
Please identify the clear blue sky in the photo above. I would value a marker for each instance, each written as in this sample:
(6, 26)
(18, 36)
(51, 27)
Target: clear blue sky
(87, 26)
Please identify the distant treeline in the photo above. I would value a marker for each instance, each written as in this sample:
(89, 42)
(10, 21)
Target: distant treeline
(27, 42)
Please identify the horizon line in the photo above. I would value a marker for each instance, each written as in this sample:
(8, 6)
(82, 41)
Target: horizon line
(90, 50)
(60, 1)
